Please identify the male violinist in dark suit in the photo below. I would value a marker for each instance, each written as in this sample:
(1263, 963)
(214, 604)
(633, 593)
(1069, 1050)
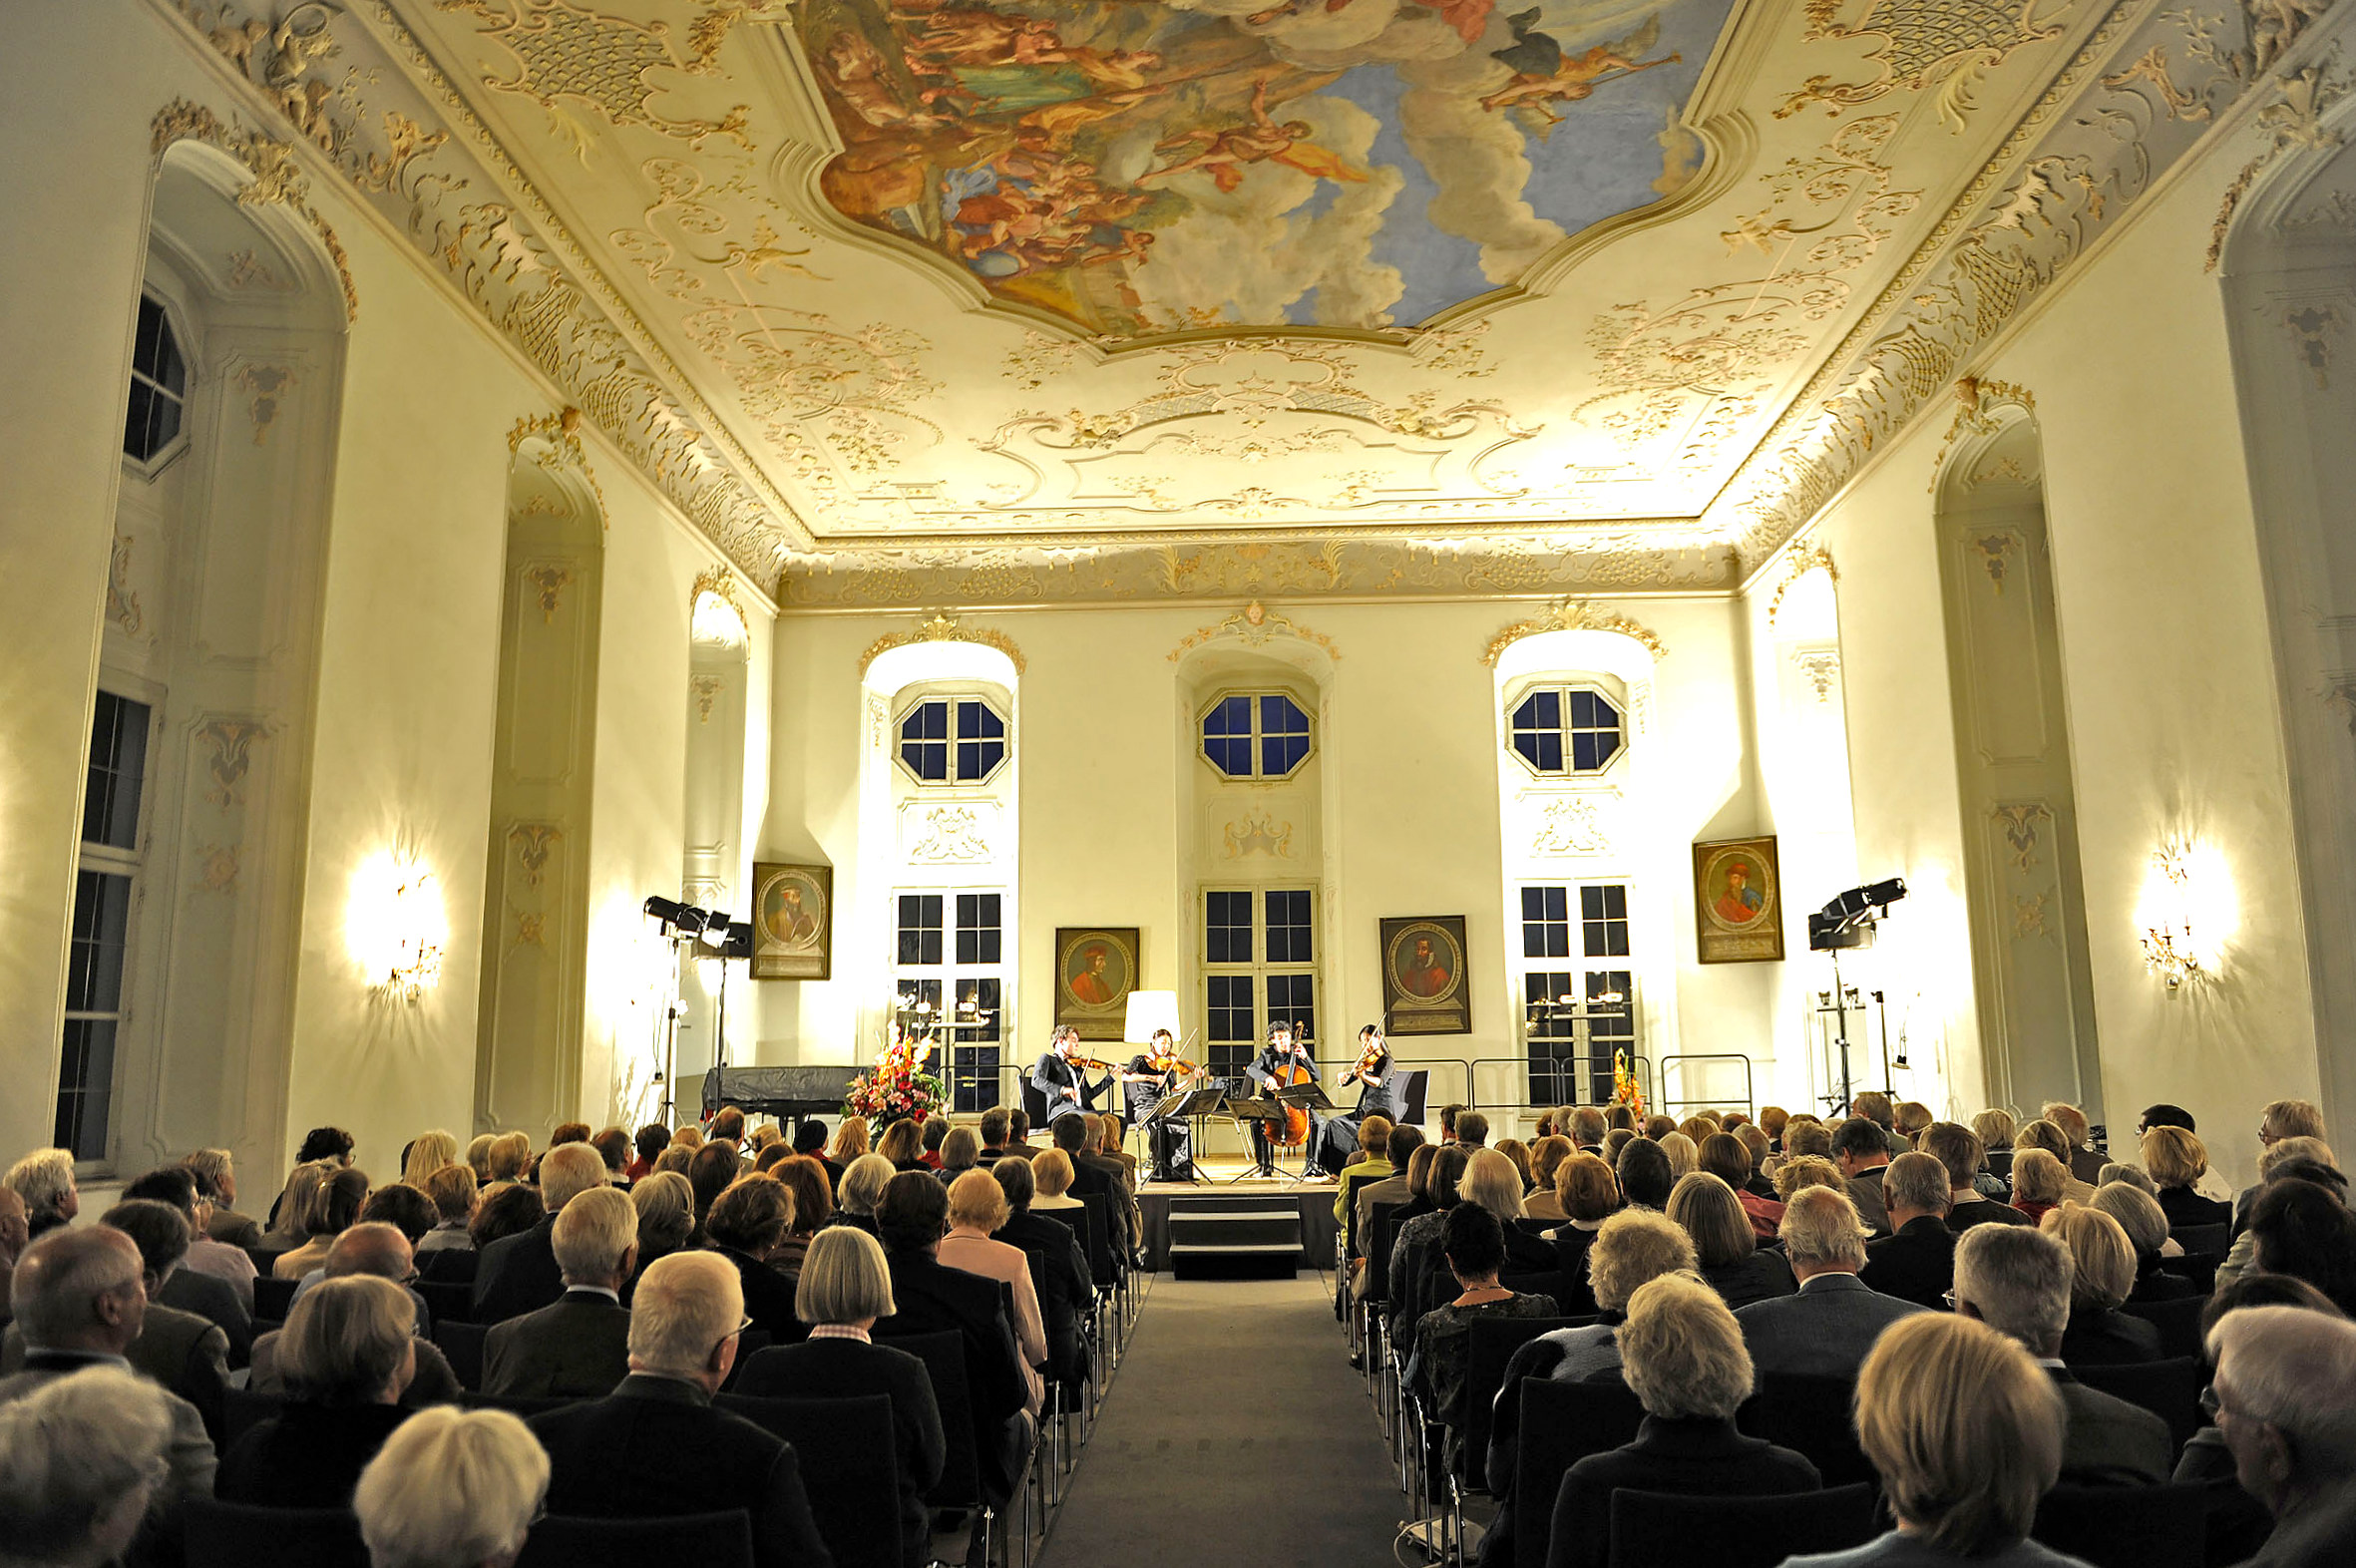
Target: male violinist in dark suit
(1063, 1082)
(1270, 1070)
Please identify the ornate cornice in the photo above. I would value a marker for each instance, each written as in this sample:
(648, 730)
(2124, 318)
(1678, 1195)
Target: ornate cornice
(278, 179)
(559, 437)
(1572, 615)
(1253, 626)
(1798, 564)
(1977, 400)
(941, 626)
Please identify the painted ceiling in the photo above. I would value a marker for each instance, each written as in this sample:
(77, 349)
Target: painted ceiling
(973, 301)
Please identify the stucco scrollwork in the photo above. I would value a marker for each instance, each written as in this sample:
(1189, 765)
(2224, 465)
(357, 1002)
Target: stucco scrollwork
(278, 177)
(1259, 833)
(941, 626)
(229, 744)
(1570, 825)
(705, 689)
(1822, 668)
(952, 835)
(1252, 626)
(1978, 402)
(2314, 332)
(1798, 564)
(1572, 615)
(123, 608)
(533, 843)
(2019, 821)
(1922, 44)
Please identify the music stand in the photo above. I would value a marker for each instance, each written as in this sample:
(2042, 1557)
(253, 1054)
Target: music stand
(1190, 1106)
(1310, 1097)
(1246, 1111)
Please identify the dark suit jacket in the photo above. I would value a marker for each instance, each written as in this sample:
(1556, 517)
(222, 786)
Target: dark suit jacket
(654, 1448)
(306, 1456)
(228, 1225)
(1090, 1177)
(1866, 1193)
(1707, 1457)
(2087, 1164)
(1822, 1332)
(2096, 1338)
(1984, 1210)
(1066, 1286)
(213, 1299)
(2155, 1284)
(2110, 1441)
(1120, 1188)
(1755, 1278)
(432, 1384)
(187, 1354)
(846, 1369)
(1917, 1264)
(769, 1297)
(2183, 1207)
(518, 1274)
(575, 1348)
(931, 1300)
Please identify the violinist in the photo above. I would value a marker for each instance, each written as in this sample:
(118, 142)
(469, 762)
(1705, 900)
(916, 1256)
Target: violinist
(1272, 1069)
(1153, 1074)
(1062, 1075)
(1378, 1096)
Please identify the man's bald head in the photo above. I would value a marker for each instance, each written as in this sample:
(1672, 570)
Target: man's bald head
(371, 1247)
(78, 1289)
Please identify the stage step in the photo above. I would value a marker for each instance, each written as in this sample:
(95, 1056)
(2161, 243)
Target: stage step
(1228, 1236)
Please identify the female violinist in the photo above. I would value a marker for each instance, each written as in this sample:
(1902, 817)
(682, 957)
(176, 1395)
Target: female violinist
(1377, 1096)
(1153, 1076)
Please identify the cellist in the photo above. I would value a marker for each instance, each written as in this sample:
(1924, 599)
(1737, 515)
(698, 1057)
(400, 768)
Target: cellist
(1272, 1069)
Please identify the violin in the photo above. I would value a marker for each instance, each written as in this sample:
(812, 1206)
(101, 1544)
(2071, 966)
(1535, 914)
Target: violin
(1367, 1058)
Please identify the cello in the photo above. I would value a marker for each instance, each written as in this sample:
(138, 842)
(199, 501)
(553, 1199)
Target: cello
(1290, 1130)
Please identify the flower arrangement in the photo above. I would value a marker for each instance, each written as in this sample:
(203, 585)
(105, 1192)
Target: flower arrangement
(897, 1087)
(1624, 1089)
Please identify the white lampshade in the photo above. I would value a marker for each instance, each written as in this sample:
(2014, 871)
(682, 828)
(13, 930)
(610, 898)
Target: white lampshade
(1151, 1011)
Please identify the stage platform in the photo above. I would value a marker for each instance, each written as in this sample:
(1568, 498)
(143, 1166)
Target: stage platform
(1314, 1201)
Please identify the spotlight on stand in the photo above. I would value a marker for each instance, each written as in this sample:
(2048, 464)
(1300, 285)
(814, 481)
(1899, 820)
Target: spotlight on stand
(739, 943)
(715, 928)
(684, 920)
(1847, 920)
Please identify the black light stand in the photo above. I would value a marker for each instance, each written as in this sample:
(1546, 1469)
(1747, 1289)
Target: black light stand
(1849, 921)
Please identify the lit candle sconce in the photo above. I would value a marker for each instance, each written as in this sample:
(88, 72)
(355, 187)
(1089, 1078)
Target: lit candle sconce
(395, 924)
(2187, 912)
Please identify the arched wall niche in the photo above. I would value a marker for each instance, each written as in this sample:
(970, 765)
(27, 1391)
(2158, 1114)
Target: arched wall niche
(529, 1023)
(2023, 887)
(2289, 284)
(211, 619)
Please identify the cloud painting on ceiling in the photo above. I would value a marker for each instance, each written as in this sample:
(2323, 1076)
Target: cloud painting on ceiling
(1147, 166)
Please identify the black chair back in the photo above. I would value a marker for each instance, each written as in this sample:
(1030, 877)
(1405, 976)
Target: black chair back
(449, 1266)
(1384, 1218)
(1743, 1532)
(708, 1540)
(2179, 1323)
(1561, 1423)
(461, 1344)
(850, 1467)
(1811, 1416)
(1491, 1345)
(944, 1355)
(450, 1301)
(273, 1298)
(513, 1404)
(240, 1535)
(1412, 1085)
(748, 1344)
(2124, 1526)
(2198, 1267)
(2202, 1241)
(2170, 1390)
(243, 1410)
(1098, 1208)
(1349, 1191)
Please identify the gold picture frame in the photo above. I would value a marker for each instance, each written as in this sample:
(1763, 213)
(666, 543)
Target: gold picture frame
(793, 920)
(1095, 969)
(1426, 989)
(1738, 901)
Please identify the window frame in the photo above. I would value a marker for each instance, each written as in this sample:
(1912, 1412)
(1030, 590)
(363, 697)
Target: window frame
(915, 699)
(1565, 685)
(95, 858)
(949, 975)
(184, 338)
(1582, 967)
(1259, 969)
(1252, 695)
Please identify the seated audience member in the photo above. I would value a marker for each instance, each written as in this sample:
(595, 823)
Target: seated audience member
(380, 1252)
(78, 1301)
(519, 1274)
(478, 1158)
(216, 1185)
(932, 1134)
(665, 1206)
(2206, 1461)
(1958, 1148)
(1722, 1155)
(902, 1143)
(1589, 1197)
(1772, 1119)
(1372, 1161)
(1067, 1289)
(328, 1209)
(1684, 1155)
(511, 1157)
(1808, 1136)
(1877, 1109)
(2278, 1123)
(1633, 1247)
(2304, 1229)
(1643, 1172)
(2304, 1159)
(712, 1170)
(15, 1237)
(814, 1210)
(1732, 1260)
(506, 1211)
(405, 1208)
(1017, 1130)
(1909, 1117)
(285, 1232)
(996, 1123)
(2146, 1228)
(1803, 1171)
(614, 1147)
(849, 1141)
(1052, 1172)
(977, 1206)
(221, 1290)
(184, 1351)
(452, 1489)
(1754, 1142)
(1827, 1327)
(1492, 1181)
(578, 1346)
(2178, 1159)
(1094, 1173)
(863, 1185)
(1614, 1141)
(646, 1146)
(1995, 1128)
(2102, 1273)
(1543, 1202)
(428, 1154)
(960, 1150)
(1416, 1272)
(726, 1126)
(2080, 1157)
(1862, 1154)
(455, 1198)
(809, 1140)
(746, 1222)
(844, 1287)
(1684, 1359)
(2017, 1281)
(1400, 1146)
(80, 1457)
(931, 1298)
(1916, 1261)
(1966, 1437)
(2130, 1174)
(331, 1144)
(1472, 1130)
(655, 1446)
(1517, 1154)
(2212, 1183)
(345, 1357)
(2039, 1182)
(44, 1179)
(1473, 1245)
(2042, 1134)
(2285, 1403)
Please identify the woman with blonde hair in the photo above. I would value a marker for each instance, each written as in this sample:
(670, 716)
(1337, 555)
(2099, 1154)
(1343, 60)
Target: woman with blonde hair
(902, 1143)
(667, 1215)
(428, 1154)
(1725, 1244)
(2040, 1182)
(1802, 1172)
(326, 1212)
(2176, 1159)
(294, 1199)
(2102, 1275)
(1684, 1155)
(511, 1157)
(849, 1141)
(1492, 1181)
(1051, 1174)
(1965, 1430)
(452, 1489)
(2139, 1217)
(346, 1356)
(2054, 1142)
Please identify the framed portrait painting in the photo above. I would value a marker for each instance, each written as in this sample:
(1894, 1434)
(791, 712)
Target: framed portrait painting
(793, 920)
(1424, 980)
(1738, 901)
(1095, 969)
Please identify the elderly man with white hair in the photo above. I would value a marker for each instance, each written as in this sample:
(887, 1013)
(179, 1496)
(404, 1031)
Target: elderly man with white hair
(78, 1467)
(2284, 1400)
(655, 1448)
(452, 1489)
(577, 1347)
(45, 1180)
(520, 1273)
(1827, 1328)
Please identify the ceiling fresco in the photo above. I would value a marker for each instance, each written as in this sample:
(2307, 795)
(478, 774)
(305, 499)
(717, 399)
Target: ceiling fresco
(980, 301)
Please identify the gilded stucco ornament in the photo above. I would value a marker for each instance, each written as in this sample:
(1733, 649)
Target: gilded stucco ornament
(1254, 625)
(278, 177)
(1922, 44)
(1799, 562)
(1572, 615)
(1979, 405)
(941, 626)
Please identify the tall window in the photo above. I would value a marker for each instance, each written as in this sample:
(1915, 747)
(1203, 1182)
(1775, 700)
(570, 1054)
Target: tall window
(159, 384)
(102, 922)
(1563, 730)
(1258, 736)
(1259, 965)
(950, 955)
(951, 741)
(1574, 963)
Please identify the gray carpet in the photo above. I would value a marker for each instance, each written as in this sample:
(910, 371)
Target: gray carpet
(1235, 1435)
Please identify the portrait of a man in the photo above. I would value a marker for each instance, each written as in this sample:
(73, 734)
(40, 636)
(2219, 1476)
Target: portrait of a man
(1095, 969)
(1423, 975)
(1089, 985)
(1737, 902)
(1423, 989)
(793, 921)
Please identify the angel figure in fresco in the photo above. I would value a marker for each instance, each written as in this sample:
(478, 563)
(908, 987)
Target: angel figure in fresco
(1543, 75)
(1225, 154)
(962, 37)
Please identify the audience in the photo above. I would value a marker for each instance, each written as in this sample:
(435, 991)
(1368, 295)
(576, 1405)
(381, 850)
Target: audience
(665, 1206)
(576, 1346)
(1544, 1200)
(1995, 1130)
(506, 1211)
(1371, 1164)
(2299, 1158)
(864, 1180)
(1642, 1173)
(747, 1222)
(1876, 1109)
(452, 1488)
(216, 1184)
(1731, 1258)
(1473, 1245)
(213, 1279)
(1633, 1247)
(814, 1210)
(1725, 1156)
(1862, 1154)
(2040, 1182)
(2280, 1121)
(456, 1197)
(645, 1148)
(2017, 1281)
(2082, 1160)
(1825, 1329)
(1066, 1290)
(428, 1154)
(1957, 1147)
(1400, 1146)
(381, 1252)
(345, 1357)
(977, 1207)
(1684, 1358)
(1051, 1174)
(932, 1134)
(656, 1447)
(2178, 1159)
(285, 1231)
(82, 1457)
(1414, 1270)
(2302, 1228)
(2101, 1274)
(2146, 1228)
(15, 1237)
(1492, 1181)
(184, 1351)
(902, 1143)
(519, 1274)
(325, 1210)
(44, 1179)
(2284, 1400)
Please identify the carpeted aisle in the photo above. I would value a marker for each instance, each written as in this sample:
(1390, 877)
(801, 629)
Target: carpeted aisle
(1236, 1435)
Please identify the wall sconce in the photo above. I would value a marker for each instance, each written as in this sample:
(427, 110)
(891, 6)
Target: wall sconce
(2186, 911)
(396, 925)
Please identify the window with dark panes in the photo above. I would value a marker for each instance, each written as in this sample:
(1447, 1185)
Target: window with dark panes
(103, 886)
(949, 740)
(1260, 966)
(159, 384)
(1256, 735)
(1574, 1019)
(958, 972)
(1566, 730)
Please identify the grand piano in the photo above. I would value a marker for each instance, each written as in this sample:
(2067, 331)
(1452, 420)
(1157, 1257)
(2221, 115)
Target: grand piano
(779, 1091)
